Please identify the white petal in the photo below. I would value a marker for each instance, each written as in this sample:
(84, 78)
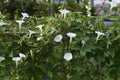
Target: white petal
(16, 59)
(21, 55)
(1, 59)
(83, 43)
(25, 15)
(39, 38)
(64, 11)
(70, 34)
(40, 26)
(99, 33)
(20, 21)
(31, 32)
(58, 38)
(2, 23)
(68, 56)
(53, 30)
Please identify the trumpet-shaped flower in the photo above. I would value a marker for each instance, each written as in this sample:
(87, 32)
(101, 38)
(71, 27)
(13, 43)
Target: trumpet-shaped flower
(39, 38)
(68, 56)
(20, 23)
(25, 15)
(30, 33)
(16, 59)
(2, 23)
(71, 35)
(83, 43)
(98, 34)
(53, 30)
(21, 55)
(1, 59)
(64, 12)
(58, 38)
(40, 27)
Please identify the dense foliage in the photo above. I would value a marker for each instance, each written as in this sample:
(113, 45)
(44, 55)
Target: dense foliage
(94, 47)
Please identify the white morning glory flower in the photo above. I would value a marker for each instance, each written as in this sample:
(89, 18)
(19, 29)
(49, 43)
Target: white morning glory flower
(30, 33)
(40, 27)
(71, 35)
(68, 56)
(83, 43)
(1, 59)
(58, 38)
(21, 55)
(16, 59)
(25, 15)
(39, 38)
(2, 23)
(64, 12)
(53, 30)
(98, 34)
(108, 44)
(20, 23)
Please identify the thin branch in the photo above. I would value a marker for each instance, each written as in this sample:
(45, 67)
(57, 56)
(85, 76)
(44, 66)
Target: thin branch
(100, 7)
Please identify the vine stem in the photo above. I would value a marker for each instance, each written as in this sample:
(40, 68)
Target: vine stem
(100, 7)
(68, 72)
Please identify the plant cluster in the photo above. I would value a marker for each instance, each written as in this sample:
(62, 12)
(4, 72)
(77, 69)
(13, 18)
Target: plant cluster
(67, 46)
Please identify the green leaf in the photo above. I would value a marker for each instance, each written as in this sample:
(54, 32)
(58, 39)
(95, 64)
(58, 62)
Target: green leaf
(50, 74)
(83, 53)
